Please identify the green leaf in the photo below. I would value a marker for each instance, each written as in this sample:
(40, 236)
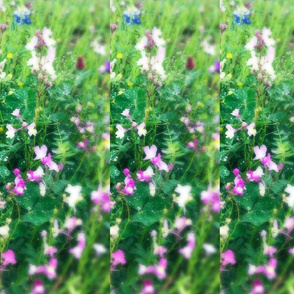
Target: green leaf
(30, 196)
(42, 212)
(261, 212)
(152, 212)
(140, 197)
(4, 172)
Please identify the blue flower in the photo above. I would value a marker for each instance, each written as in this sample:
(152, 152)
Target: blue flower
(132, 16)
(242, 17)
(22, 17)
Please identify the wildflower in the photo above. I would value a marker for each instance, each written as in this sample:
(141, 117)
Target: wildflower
(119, 55)
(229, 55)
(113, 28)
(132, 16)
(258, 288)
(227, 257)
(10, 131)
(230, 131)
(188, 250)
(38, 287)
(211, 197)
(32, 130)
(99, 249)
(153, 65)
(209, 249)
(8, 258)
(184, 197)
(251, 130)
(3, 27)
(223, 27)
(215, 68)
(242, 16)
(148, 288)
(289, 199)
(22, 16)
(141, 130)
(260, 154)
(190, 64)
(78, 250)
(74, 195)
(9, 55)
(102, 197)
(117, 258)
(120, 131)
(80, 63)
(4, 231)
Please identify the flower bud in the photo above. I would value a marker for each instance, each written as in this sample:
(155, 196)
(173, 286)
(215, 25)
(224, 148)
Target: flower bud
(80, 63)
(190, 64)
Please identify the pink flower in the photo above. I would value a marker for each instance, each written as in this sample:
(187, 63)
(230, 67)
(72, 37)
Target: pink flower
(16, 113)
(126, 113)
(102, 197)
(120, 133)
(148, 288)
(188, 250)
(41, 152)
(8, 257)
(211, 197)
(117, 257)
(83, 145)
(258, 288)
(150, 152)
(38, 288)
(227, 257)
(32, 130)
(158, 270)
(230, 131)
(10, 132)
(78, 250)
(236, 113)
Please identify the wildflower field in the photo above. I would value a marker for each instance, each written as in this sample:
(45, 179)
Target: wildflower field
(146, 147)
(257, 183)
(54, 134)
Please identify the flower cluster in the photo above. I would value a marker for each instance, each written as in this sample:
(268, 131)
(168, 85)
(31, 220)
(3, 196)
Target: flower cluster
(149, 63)
(42, 49)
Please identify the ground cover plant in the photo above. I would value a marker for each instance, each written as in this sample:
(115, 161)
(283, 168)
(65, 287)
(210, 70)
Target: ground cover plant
(54, 201)
(257, 147)
(164, 147)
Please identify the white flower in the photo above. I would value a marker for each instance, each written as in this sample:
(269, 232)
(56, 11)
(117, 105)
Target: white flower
(224, 230)
(32, 130)
(4, 231)
(114, 231)
(251, 130)
(120, 132)
(75, 195)
(185, 195)
(141, 130)
(290, 199)
(230, 131)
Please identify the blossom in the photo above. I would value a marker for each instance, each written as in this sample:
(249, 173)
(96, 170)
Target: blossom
(78, 250)
(32, 130)
(290, 198)
(211, 197)
(148, 288)
(185, 195)
(227, 257)
(80, 63)
(258, 288)
(190, 64)
(75, 195)
(38, 287)
(117, 257)
(251, 130)
(102, 197)
(260, 154)
(141, 130)
(188, 250)
(8, 257)
(230, 131)
(120, 131)
(10, 131)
